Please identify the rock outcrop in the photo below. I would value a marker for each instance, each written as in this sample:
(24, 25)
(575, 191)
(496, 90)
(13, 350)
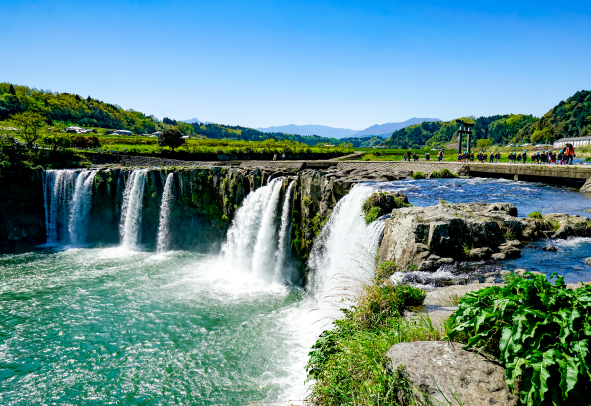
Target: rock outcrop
(22, 214)
(428, 237)
(442, 371)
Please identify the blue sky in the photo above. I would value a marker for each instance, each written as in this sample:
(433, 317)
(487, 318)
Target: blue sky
(341, 63)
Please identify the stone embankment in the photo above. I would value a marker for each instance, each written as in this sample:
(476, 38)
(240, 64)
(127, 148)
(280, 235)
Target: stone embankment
(428, 237)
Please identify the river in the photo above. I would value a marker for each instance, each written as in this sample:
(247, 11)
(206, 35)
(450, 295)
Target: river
(128, 325)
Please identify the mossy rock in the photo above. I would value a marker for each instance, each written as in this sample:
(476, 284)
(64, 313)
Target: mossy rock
(381, 203)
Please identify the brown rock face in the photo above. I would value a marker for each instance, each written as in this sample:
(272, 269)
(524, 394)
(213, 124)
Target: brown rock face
(440, 370)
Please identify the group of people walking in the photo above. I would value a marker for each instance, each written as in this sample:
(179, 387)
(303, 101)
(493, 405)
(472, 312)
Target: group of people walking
(563, 157)
(415, 156)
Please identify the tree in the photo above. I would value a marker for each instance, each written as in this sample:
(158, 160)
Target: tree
(55, 140)
(11, 90)
(171, 137)
(31, 126)
(483, 144)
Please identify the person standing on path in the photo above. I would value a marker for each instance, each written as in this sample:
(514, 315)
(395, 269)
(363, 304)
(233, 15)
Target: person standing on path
(275, 157)
(440, 155)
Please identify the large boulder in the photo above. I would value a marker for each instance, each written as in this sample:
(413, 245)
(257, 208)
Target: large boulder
(441, 371)
(426, 237)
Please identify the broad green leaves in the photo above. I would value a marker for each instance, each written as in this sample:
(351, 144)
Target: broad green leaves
(540, 332)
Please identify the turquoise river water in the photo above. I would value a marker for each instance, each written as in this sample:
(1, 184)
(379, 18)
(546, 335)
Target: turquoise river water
(113, 325)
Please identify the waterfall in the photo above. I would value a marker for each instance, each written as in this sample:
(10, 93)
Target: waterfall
(283, 265)
(163, 229)
(343, 255)
(131, 211)
(67, 197)
(81, 207)
(246, 226)
(266, 245)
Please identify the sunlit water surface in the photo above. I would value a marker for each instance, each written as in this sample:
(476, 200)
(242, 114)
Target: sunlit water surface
(97, 326)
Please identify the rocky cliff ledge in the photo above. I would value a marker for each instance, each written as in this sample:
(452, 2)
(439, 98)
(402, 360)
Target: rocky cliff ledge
(427, 237)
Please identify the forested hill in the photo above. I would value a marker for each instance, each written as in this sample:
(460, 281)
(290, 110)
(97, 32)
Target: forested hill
(72, 109)
(570, 118)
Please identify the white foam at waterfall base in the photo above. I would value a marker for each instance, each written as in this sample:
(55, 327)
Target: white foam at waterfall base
(131, 211)
(163, 237)
(283, 259)
(244, 231)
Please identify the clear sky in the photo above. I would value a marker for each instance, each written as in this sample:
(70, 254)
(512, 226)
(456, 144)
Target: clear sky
(340, 63)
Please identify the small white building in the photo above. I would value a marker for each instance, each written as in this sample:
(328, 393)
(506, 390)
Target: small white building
(576, 141)
(76, 130)
(122, 132)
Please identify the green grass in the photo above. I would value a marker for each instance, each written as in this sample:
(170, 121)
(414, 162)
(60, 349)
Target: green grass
(418, 175)
(347, 363)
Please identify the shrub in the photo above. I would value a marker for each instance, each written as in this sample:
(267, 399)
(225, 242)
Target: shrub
(444, 173)
(373, 214)
(418, 175)
(385, 269)
(540, 333)
(536, 215)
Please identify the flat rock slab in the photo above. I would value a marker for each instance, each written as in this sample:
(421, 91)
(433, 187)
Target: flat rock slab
(445, 296)
(440, 370)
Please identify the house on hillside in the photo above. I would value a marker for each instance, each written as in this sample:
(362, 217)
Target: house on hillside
(122, 132)
(576, 141)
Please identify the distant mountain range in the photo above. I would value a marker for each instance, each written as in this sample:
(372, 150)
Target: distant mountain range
(382, 130)
(196, 120)
(310, 129)
(388, 128)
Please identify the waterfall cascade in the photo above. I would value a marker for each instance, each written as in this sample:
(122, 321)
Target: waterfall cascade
(131, 211)
(67, 195)
(81, 207)
(266, 244)
(343, 255)
(163, 228)
(252, 238)
(283, 264)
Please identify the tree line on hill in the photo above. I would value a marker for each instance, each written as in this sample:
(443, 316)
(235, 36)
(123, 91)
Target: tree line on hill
(72, 109)
(570, 118)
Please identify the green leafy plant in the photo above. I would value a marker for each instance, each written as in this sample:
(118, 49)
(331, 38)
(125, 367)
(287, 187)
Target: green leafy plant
(536, 215)
(467, 249)
(509, 235)
(418, 175)
(385, 269)
(373, 214)
(540, 332)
